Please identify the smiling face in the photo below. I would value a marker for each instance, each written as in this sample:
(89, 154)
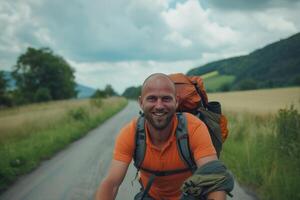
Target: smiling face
(158, 101)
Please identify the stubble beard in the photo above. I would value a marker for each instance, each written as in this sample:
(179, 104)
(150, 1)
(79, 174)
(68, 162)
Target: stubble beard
(157, 124)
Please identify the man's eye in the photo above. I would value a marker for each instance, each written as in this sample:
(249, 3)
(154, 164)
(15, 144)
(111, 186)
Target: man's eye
(167, 99)
(151, 99)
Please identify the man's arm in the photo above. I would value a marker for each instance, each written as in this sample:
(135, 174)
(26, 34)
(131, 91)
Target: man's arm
(108, 188)
(217, 195)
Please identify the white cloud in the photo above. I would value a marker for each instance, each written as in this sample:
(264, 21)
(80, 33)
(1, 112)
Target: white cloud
(177, 38)
(191, 21)
(19, 29)
(122, 42)
(273, 21)
(125, 74)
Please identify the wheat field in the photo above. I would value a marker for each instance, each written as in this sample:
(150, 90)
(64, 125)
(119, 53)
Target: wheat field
(31, 118)
(262, 101)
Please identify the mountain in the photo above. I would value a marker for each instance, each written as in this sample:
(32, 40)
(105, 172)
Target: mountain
(11, 83)
(275, 65)
(83, 91)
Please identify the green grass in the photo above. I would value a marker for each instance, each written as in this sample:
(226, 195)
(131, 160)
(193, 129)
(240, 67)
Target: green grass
(213, 81)
(21, 153)
(210, 74)
(258, 155)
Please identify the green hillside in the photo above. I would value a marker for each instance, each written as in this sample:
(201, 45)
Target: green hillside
(275, 65)
(213, 81)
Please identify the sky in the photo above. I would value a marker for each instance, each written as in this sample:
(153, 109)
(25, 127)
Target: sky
(122, 42)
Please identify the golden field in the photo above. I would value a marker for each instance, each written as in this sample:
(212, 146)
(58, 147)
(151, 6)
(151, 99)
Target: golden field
(24, 120)
(262, 101)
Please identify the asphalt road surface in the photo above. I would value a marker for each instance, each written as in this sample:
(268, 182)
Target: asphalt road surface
(76, 172)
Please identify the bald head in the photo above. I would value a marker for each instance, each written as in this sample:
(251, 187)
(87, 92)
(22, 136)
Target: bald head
(158, 79)
(159, 102)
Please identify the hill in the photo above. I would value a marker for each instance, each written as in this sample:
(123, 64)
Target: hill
(275, 65)
(84, 91)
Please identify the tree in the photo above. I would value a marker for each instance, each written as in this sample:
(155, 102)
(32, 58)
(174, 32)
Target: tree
(247, 84)
(3, 83)
(5, 100)
(132, 92)
(109, 91)
(40, 75)
(99, 94)
(42, 94)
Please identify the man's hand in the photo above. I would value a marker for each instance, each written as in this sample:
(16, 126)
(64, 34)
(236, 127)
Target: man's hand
(109, 186)
(217, 195)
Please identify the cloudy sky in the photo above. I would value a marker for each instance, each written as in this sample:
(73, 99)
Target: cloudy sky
(120, 42)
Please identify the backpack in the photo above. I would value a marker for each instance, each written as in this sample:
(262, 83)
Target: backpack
(192, 99)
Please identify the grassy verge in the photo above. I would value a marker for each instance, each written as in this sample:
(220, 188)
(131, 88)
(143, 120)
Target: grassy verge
(263, 153)
(34, 133)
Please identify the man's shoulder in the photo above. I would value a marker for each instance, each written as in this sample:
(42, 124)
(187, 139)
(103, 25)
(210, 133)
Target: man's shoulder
(190, 118)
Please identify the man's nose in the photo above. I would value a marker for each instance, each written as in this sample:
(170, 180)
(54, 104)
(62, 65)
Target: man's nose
(159, 103)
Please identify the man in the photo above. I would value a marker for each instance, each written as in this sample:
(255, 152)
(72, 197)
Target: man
(158, 101)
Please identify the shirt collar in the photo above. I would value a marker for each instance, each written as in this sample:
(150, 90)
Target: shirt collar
(170, 139)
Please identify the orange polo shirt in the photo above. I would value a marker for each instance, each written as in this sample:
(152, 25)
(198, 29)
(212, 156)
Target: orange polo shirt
(167, 158)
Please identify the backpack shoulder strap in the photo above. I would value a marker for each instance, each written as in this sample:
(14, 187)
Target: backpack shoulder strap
(203, 103)
(183, 145)
(140, 142)
(182, 140)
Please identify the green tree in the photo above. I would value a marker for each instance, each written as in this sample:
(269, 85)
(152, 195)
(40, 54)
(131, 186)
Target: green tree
(225, 87)
(132, 92)
(109, 91)
(247, 84)
(99, 94)
(40, 75)
(42, 94)
(5, 100)
(3, 83)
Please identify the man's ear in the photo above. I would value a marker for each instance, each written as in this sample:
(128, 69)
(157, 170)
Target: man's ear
(140, 101)
(177, 101)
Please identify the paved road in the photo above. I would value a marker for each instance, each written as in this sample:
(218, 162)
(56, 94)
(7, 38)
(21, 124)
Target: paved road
(75, 172)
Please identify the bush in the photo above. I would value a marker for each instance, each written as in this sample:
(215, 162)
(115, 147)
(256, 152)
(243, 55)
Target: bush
(5, 101)
(296, 80)
(99, 94)
(79, 114)
(97, 102)
(253, 152)
(42, 95)
(288, 126)
(247, 84)
(225, 87)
